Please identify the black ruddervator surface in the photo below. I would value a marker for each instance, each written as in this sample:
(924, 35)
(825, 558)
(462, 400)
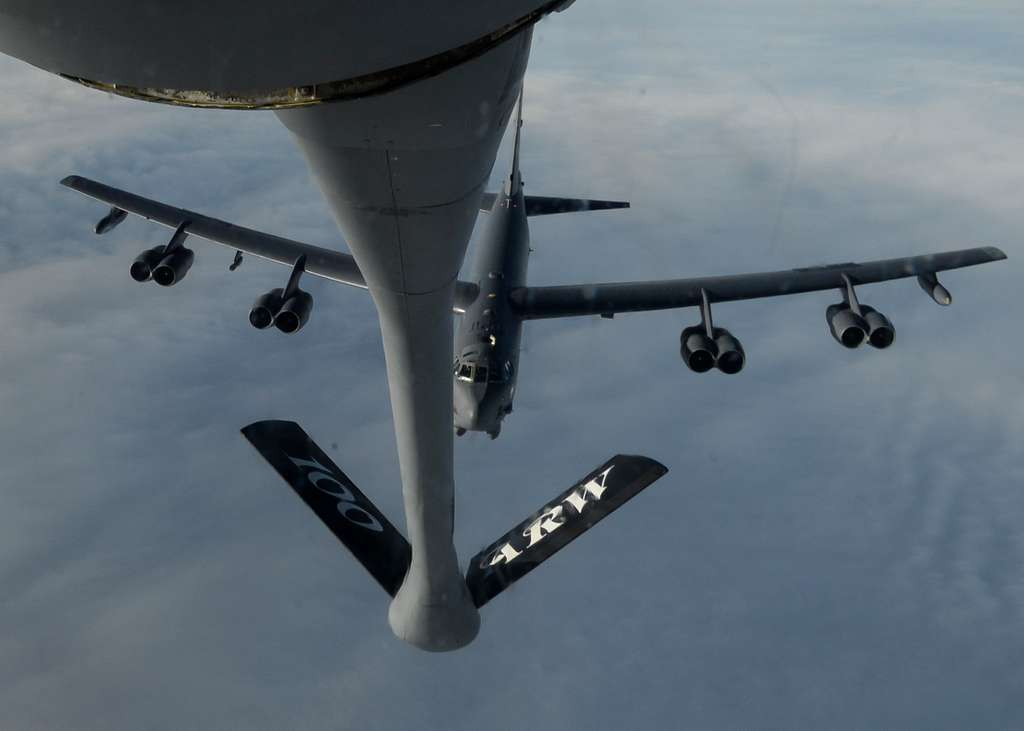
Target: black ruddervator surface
(350, 515)
(558, 523)
(540, 205)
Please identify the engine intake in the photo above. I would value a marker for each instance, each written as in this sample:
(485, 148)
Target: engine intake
(294, 314)
(142, 267)
(848, 328)
(731, 357)
(881, 332)
(698, 351)
(265, 309)
(173, 267)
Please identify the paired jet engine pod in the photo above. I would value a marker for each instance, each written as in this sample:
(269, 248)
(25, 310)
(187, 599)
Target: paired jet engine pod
(289, 315)
(164, 269)
(852, 323)
(288, 308)
(701, 353)
(173, 267)
(703, 346)
(165, 265)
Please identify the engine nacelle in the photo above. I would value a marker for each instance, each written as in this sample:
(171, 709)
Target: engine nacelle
(848, 328)
(145, 263)
(698, 351)
(294, 313)
(881, 332)
(173, 267)
(730, 357)
(265, 309)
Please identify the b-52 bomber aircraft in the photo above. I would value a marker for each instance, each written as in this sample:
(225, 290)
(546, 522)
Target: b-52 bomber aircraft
(494, 305)
(497, 301)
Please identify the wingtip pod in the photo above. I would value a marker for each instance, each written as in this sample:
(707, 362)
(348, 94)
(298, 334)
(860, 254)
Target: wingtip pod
(969, 257)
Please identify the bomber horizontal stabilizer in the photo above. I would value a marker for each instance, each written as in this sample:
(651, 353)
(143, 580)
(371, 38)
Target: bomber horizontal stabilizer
(329, 493)
(539, 205)
(558, 523)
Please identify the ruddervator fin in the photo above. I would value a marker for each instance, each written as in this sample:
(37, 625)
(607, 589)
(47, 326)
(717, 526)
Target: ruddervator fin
(559, 522)
(329, 493)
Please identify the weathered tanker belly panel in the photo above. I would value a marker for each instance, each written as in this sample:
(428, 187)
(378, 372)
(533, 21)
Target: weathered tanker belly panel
(252, 46)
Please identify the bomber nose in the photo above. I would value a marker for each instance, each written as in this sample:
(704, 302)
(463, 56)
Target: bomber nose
(465, 410)
(467, 417)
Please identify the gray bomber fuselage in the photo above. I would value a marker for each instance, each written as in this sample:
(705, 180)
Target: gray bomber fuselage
(488, 338)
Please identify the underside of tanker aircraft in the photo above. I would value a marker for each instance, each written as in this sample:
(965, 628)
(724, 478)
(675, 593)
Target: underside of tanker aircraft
(398, 108)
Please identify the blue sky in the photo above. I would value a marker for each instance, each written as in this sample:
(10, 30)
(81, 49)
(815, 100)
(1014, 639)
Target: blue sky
(838, 542)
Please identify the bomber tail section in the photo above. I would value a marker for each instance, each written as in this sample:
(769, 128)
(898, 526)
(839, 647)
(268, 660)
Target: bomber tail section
(515, 180)
(541, 205)
(558, 523)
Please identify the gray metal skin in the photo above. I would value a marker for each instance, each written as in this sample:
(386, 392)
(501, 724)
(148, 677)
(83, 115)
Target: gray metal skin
(402, 171)
(403, 174)
(490, 332)
(248, 49)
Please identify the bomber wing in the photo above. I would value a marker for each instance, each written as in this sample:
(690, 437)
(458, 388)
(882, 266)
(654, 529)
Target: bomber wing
(532, 303)
(320, 262)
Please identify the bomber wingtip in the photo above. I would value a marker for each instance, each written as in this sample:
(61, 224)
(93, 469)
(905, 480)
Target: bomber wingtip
(997, 253)
(70, 180)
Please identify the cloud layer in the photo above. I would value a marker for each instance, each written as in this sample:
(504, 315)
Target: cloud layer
(837, 543)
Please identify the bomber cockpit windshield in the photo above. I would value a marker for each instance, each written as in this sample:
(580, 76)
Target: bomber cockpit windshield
(470, 371)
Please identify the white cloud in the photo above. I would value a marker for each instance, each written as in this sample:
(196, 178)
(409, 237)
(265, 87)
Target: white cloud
(837, 543)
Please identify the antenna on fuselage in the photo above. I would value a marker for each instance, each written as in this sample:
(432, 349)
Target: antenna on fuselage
(515, 180)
